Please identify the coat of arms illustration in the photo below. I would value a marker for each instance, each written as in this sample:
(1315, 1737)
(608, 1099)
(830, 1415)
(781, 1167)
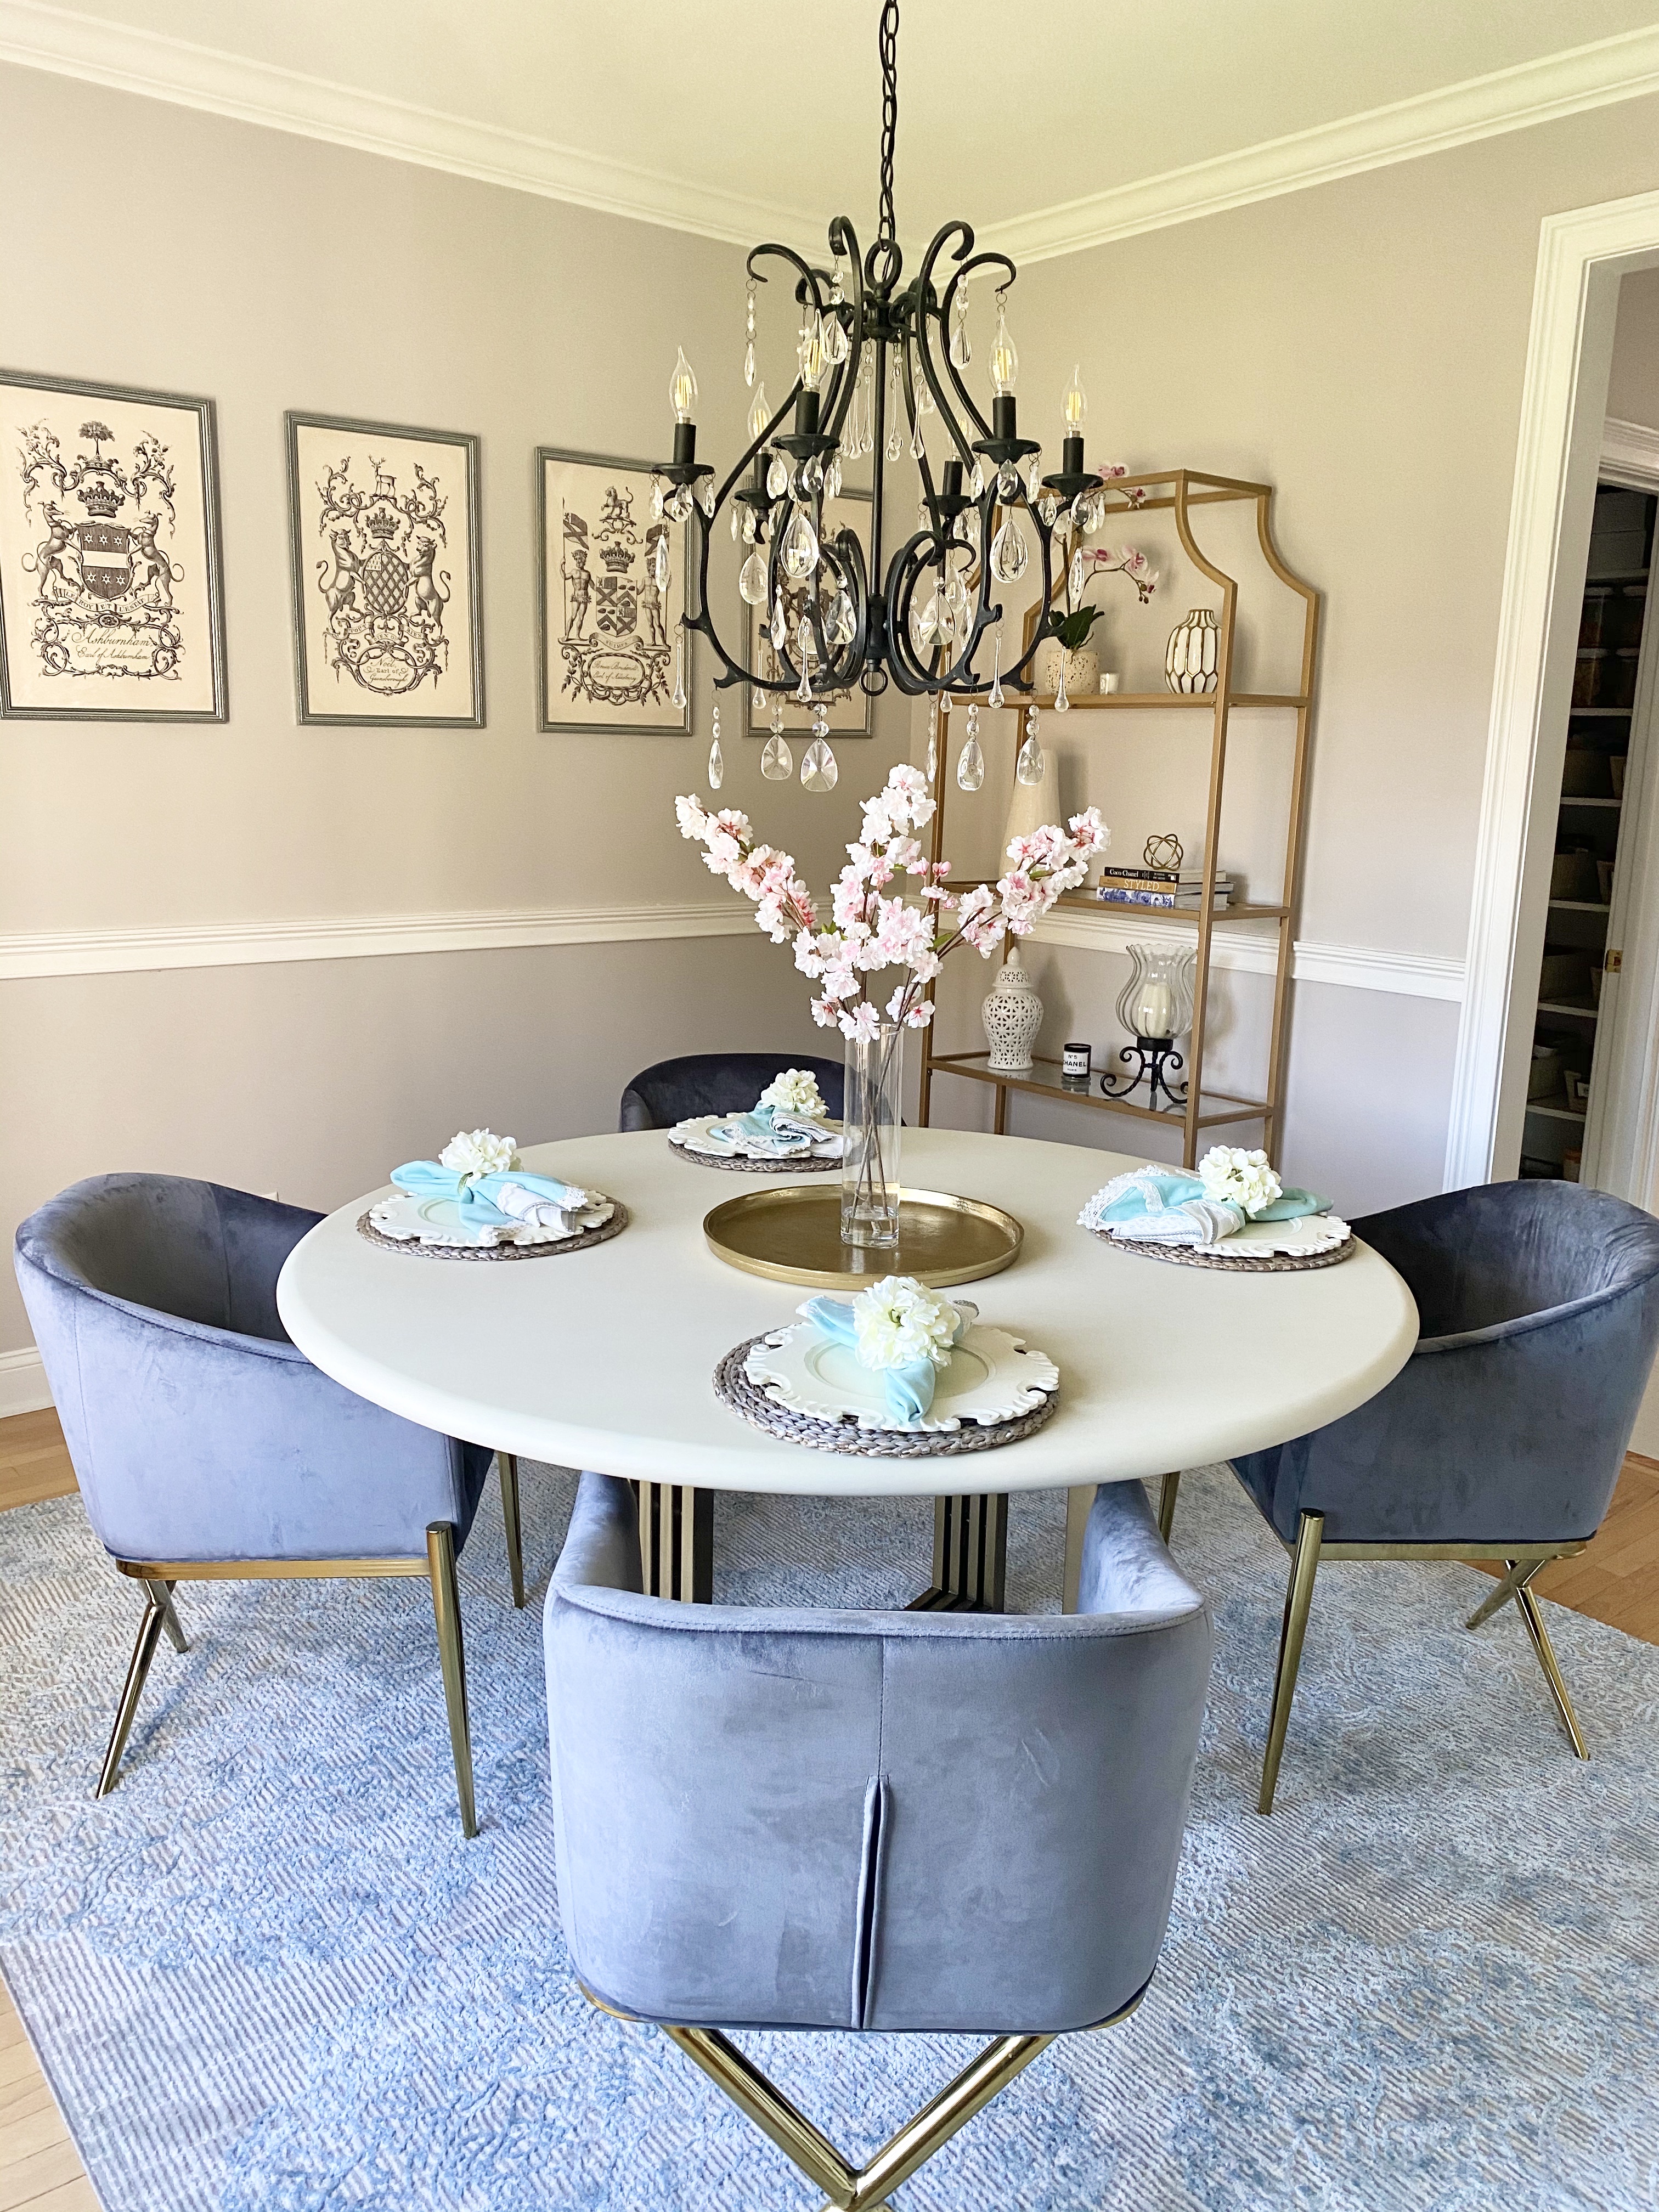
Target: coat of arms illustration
(616, 577)
(385, 593)
(102, 580)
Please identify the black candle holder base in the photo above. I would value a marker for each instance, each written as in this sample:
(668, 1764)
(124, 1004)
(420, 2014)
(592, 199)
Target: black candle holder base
(1153, 1059)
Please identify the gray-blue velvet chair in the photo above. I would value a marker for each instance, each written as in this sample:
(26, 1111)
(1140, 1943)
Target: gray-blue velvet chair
(206, 1445)
(718, 1082)
(955, 1823)
(1503, 1436)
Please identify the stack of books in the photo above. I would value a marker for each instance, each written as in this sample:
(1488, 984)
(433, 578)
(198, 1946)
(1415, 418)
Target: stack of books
(1168, 887)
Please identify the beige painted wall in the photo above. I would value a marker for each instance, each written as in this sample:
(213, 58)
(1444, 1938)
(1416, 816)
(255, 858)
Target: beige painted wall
(275, 272)
(1633, 388)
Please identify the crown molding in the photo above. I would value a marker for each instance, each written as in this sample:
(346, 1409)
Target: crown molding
(1251, 951)
(1542, 91)
(42, 953)
(126, 59)
(1631, 450)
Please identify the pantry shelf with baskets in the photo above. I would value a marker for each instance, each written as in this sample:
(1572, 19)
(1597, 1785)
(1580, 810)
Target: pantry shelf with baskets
(1178, 492)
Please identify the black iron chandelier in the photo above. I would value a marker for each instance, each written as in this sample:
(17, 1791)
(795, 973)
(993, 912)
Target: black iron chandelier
(880, 366)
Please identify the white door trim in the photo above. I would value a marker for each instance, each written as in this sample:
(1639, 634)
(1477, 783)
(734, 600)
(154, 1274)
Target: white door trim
(1581, 255)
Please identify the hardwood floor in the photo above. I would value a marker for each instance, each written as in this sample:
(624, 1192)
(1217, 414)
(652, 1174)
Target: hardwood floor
(1616, 1580)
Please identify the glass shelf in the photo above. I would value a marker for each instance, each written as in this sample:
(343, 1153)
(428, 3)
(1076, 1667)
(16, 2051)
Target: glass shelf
(1086, 903)
(1044, 1079)
(1554, 1112)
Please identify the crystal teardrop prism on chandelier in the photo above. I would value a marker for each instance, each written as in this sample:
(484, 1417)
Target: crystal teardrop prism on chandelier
(836, 618)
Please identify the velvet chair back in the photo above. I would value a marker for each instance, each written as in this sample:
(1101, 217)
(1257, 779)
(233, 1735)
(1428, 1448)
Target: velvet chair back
(891, 1820)
(718, 1082)
(1540, 1312)
(197, 1430)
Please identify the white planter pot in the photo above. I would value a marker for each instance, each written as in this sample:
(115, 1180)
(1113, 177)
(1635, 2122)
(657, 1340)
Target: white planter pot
(1082, 668)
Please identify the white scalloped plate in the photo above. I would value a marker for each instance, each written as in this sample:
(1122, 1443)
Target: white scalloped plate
(697, 1135)
(991, 1377)
(437, 1221)
(1259, 1240)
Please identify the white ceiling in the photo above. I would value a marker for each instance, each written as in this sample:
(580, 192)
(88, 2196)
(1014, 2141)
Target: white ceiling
(1004, 110)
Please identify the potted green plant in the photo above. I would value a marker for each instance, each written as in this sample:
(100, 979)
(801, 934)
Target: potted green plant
(1068, 623)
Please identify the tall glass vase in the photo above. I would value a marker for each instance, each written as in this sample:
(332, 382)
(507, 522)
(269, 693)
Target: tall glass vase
(869, 1119)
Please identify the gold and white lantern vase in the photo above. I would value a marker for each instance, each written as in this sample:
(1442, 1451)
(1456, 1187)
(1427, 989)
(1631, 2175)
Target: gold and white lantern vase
(1193, 661)
(1013, 1015)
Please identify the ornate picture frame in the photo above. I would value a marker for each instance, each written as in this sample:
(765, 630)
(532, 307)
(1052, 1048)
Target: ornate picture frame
(607, 629)
(384, 549)
(850, 714)
(114, 613)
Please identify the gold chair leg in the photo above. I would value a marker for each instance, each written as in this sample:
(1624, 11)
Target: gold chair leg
(447, 1613)
(1079, 1504)
(1500, 1595)
(143, 1651)
(1546, 1660)
(162, 1594)
(1304, 1565)
(1166, 1503)
(849, 2189)
(509, 1466)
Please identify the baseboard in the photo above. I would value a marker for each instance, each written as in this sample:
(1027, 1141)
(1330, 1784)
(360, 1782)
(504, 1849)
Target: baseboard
(22, 1383)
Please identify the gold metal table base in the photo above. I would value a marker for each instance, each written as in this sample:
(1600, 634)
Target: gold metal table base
(677, 1541)
(792, 1234)
(971, 1556)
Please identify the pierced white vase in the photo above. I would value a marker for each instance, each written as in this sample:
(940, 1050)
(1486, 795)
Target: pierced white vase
(1013, 1015)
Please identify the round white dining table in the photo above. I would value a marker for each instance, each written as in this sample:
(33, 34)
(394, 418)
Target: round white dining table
(604, 1358)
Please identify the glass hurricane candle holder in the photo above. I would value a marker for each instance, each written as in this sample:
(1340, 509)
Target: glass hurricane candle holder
(870, 1142)
(1156, 1006)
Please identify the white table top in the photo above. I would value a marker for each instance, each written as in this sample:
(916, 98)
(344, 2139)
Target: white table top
(603, 1359)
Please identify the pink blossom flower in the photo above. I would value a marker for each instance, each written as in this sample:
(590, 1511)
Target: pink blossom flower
(862, 1023)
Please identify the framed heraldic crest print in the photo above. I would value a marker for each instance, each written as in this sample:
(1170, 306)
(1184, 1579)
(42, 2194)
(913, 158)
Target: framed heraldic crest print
(110, 595)
(383, 523)
(615, 654)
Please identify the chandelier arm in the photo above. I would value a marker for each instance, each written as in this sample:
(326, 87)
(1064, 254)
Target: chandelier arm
(910, 563)
(979, 261)
(908, 378)
(802, 268)
(843, 240)
(925, 351)
(790, 397)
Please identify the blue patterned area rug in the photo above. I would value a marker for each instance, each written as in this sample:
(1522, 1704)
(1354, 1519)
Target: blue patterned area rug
(267, 1973)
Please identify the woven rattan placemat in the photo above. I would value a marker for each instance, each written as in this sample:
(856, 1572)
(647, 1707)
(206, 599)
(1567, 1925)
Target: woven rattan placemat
(1272, 1263)
(733, 1389)
(602, 1234)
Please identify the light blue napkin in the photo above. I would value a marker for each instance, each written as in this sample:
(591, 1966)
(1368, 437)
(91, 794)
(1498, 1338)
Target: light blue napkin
(1167, 1206)
(774, 1129)
(908, 1389)
(427, 1179)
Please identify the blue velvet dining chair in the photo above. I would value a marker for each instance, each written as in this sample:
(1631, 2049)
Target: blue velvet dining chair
(718, 1082)
(943, 1823)
(206, 1445)
(1503, 1436)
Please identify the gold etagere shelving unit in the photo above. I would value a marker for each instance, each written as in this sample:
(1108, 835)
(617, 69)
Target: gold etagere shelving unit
(1178, 491)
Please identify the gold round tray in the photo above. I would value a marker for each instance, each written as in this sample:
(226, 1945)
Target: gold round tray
(793, 1235)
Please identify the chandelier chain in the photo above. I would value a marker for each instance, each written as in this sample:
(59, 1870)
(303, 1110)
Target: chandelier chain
(887, 43)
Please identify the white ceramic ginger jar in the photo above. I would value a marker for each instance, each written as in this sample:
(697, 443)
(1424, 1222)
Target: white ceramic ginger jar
(1013, 1015)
